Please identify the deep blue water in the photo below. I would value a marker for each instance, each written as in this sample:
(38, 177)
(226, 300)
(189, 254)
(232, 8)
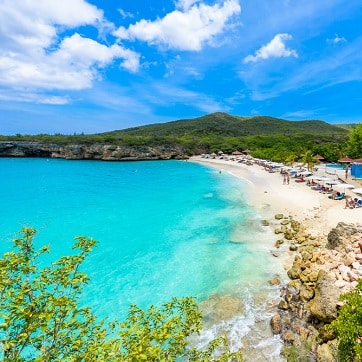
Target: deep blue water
(164, 228)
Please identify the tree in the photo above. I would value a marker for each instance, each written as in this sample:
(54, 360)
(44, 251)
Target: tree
(354, 144)
(309, 159)
(348, 325)
(40, 317)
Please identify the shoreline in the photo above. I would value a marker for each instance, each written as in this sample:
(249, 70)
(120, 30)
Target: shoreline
(321, 254)
(269, 196)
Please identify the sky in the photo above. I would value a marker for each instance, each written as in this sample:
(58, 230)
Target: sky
(77, 66)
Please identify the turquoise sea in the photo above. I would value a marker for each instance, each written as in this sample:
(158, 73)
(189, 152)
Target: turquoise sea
(164, 229)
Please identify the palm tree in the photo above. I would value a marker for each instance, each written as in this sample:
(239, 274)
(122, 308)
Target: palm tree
(309, 160)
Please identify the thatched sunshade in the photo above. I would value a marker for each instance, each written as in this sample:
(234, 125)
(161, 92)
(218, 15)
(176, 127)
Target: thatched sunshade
(236, 153)
(345, 160)
(319, 157)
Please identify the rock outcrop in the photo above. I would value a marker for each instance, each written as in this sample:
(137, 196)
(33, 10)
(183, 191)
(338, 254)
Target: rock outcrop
(322, 269)
(91, 152)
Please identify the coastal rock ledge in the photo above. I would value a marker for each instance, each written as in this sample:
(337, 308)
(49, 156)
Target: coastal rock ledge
(323, 268)
(91, 152)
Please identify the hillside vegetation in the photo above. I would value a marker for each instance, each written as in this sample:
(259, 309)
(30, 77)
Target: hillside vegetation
(266, 137)
(228, 125)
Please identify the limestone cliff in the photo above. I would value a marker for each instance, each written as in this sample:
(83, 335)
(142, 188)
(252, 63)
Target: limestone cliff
(91, 152)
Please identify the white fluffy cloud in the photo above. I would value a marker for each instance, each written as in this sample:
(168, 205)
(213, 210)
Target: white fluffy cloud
(33, 56)
(274, 49)
(186, 29)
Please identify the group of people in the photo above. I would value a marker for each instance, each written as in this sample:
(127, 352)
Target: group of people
(352, 203)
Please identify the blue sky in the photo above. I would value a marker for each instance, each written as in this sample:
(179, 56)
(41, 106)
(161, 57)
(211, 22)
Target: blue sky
(75, 66)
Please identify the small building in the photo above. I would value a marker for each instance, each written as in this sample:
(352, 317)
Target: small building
(356, 169)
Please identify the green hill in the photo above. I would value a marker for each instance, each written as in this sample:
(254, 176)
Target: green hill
(227, 125)
(266, 137)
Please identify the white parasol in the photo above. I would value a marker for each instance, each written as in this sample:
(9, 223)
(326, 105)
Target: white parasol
(344, 186)
(315, 177)
(331, 182)
(358, 191)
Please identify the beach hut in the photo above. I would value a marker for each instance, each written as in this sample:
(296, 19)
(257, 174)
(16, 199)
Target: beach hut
(236, 153)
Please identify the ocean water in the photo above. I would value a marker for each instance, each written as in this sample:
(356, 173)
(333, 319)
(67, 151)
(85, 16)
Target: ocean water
(164, 229)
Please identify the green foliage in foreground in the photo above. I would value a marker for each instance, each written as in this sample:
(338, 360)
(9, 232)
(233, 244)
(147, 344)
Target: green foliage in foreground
(348, 325)
(40, 317)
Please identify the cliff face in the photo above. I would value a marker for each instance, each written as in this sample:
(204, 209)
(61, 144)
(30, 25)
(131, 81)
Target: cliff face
(90, 152)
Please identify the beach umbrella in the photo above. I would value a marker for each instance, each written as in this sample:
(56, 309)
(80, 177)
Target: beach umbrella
(358, 191)
(331, 182)
(318, 157)
(306, 173)
(314, 177)
(344, 186)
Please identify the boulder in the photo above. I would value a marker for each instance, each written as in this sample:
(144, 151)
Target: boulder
(340, 235)
(306, 294)
(288, 337)
(294, 272)
(289, 234)
(324, 304)
(325, 354)
(283, 305)
(326, 334)
(275, 281)
(276, 323)
(295, 225)
(293, 247)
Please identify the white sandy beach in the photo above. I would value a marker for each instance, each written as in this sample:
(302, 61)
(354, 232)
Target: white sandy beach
(268, 194)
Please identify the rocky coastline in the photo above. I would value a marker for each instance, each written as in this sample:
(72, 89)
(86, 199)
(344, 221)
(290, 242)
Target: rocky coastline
(91, 152)
(323, 268)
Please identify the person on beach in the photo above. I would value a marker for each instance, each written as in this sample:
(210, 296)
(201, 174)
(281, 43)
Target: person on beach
(335, 194)
(346, 174)
(288, 178)
(350, 203)
(284, 179)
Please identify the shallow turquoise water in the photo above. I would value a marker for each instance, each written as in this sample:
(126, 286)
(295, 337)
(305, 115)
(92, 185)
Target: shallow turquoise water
(165, 228)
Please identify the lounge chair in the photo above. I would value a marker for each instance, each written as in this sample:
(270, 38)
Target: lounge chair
(301, 179)
(337, 196)
(340, 197)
